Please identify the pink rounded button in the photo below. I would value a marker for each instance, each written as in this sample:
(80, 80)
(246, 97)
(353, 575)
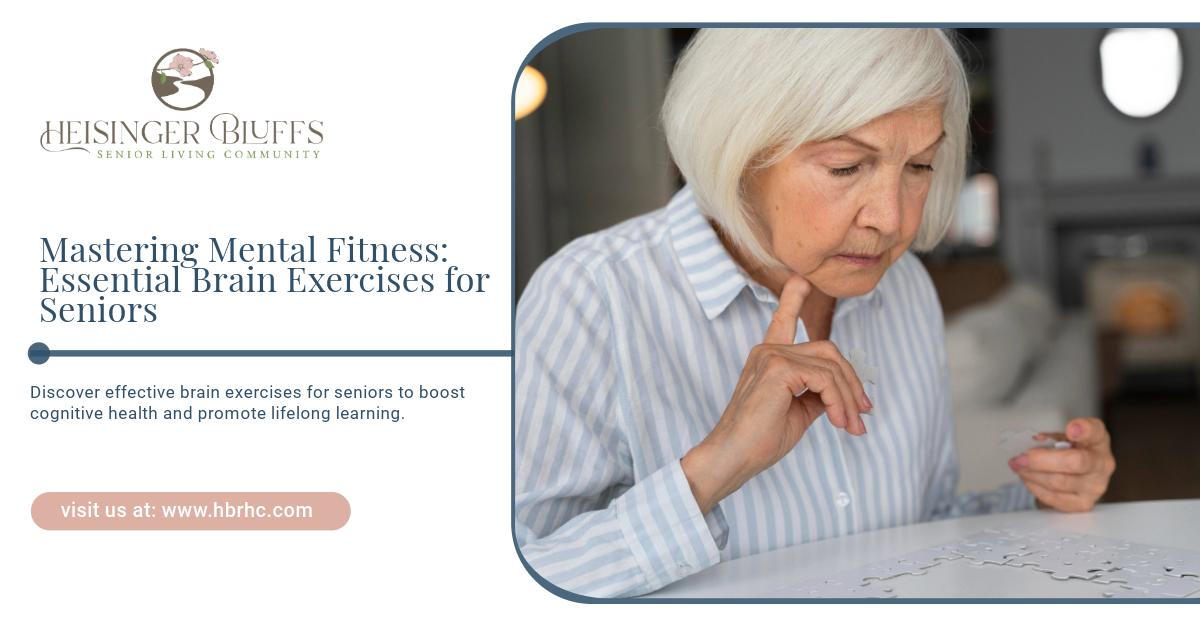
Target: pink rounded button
(190, 511)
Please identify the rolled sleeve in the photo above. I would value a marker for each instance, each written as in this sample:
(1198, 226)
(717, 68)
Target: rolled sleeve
(584, 520)
(669, 537)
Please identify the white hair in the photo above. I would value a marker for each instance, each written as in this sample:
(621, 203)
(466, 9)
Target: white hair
(742, 99)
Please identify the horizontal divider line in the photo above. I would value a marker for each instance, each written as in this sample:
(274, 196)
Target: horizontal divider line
(39, 355)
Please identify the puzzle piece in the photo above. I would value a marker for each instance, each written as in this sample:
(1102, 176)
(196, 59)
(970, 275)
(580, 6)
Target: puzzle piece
(895, 567)
(1110, 577)
(1069, 569)
(848, 584)
(1024, 441)
(1102, 543)
(1067, 562)
(1176, 564)
(929, 557)
(1184, 570)
(989, 554)
(1160, 587)
(864, 371)
(861, 582)
(973, 549)
(1020, 561)
(1129, 570)
(860, 591)
(1122, 591)
(1130, 562)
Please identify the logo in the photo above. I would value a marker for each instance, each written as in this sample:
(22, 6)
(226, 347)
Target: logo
(183, 78)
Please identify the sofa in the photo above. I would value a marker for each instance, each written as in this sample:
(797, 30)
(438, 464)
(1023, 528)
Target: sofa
(1016, 361)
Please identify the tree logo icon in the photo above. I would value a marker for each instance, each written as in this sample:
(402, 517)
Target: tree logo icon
(183, 78)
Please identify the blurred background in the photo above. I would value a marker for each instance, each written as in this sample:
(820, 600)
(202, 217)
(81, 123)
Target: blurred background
(1070, 278)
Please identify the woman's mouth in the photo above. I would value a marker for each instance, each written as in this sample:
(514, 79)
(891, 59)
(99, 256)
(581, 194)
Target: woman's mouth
(863, 261)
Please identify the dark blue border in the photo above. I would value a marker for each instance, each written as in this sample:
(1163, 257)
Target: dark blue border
(576, 28)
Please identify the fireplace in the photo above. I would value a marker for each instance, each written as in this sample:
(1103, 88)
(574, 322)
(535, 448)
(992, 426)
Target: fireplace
(1129, 253)
(1153, 302)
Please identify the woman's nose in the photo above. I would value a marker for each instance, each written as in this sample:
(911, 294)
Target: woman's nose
(882, 208)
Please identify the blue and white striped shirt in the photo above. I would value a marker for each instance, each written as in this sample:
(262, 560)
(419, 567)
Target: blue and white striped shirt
(629, 343)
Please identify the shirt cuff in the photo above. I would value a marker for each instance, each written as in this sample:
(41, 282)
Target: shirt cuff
(717, 526)
(663, 526)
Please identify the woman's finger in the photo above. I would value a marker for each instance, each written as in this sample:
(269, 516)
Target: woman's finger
(810, 402)
(847, 378)
(1066, 502)
(830, 351)
(854, 422)
(1087, 432)
(823, 383)
(846, 394)
(801, 378)
(1073, 461)
(1043, 493)
(1057, 482)
(782, 330)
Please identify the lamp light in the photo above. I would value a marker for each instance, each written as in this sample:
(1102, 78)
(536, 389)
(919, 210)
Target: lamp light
(531, 91)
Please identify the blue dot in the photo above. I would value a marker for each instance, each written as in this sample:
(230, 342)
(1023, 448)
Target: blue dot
(39, 353)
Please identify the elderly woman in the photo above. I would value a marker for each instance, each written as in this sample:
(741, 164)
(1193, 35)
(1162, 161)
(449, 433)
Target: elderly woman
(683, 393)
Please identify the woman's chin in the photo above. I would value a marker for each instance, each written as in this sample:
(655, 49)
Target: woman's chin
(849, 282)
(843, 277)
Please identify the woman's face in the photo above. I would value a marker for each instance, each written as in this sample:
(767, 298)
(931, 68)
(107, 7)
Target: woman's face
(841, 212)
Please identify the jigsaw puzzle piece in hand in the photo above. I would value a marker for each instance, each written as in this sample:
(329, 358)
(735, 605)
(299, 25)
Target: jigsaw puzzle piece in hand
(865, 372)
(1024, 441)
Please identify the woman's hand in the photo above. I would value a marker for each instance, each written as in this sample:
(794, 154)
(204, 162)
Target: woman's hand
(784, 387)
(1070, 480)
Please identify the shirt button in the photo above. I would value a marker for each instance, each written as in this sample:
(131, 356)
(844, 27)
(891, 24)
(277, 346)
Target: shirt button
(843, 499)
(684, 570)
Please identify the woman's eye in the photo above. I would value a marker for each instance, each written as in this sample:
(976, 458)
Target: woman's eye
(922, 167)
(843, 172)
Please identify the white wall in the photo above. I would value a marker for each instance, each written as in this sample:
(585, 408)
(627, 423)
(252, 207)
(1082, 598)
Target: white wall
(1048, 90)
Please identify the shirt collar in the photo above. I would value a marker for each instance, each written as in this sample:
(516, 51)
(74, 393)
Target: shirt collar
(713, 274)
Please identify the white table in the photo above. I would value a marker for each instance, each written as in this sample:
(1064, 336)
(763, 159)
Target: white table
(1165, 523)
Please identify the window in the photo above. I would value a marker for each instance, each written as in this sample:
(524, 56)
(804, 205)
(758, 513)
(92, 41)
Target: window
(978, 214)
